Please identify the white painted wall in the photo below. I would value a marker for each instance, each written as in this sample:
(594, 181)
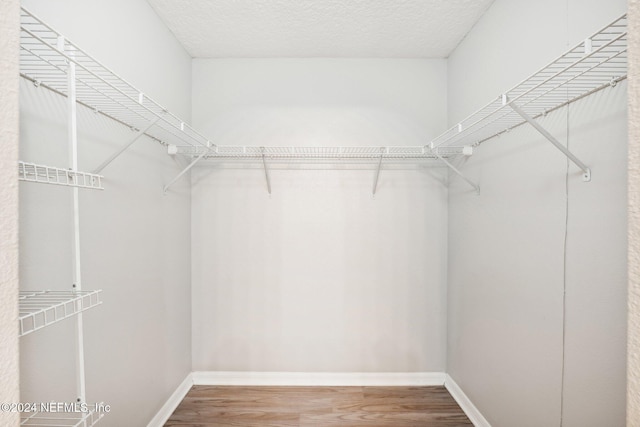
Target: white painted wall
(135, 240)
(9, 27)
(633, 343)
(320, 276)
(506, 246)
(319, 101)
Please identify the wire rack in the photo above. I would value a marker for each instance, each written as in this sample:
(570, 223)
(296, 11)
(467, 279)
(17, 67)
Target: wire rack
(44, 59)
(52, 175)
(598, 62)
(61, 419)
(363, 153)
(43, 308)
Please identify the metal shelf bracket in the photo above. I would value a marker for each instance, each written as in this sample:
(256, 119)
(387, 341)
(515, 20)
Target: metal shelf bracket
(185, 170)
(586, 176)
(125, 147)
(266, 170)
(454, 169)
(377, 175)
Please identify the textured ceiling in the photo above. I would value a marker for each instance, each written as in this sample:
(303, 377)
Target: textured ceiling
(320, 28)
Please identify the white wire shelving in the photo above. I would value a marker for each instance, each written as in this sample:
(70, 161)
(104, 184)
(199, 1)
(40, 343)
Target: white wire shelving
(44, 58)
(32, 172)
(62, 419)
(39, 309)
(45, 54)
(600, 61)
(347, 153)
(50, 61)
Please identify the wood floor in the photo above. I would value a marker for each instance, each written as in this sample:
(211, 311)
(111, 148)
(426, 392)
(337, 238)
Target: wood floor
(216, 406)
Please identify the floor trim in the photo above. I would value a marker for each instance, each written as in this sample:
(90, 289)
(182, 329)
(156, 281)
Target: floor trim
(319, 378)
(465, 403)
(172, 403)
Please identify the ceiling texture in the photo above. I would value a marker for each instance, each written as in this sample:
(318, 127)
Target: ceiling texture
(320, 28)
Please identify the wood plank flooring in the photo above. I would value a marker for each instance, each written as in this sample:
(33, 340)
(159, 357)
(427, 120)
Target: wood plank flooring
(227, 406)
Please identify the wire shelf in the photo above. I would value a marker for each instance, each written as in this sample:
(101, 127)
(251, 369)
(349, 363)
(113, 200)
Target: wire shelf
(43, 308)
(32, 172)
(598, 62)
(362, 153)
(44, 58)
(62, 419)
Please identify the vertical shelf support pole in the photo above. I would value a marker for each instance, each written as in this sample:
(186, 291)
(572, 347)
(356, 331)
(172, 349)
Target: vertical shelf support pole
(377, 175)
(127, 145)
(77, 272)
(456, 171)
(266, 171)
(585, 169)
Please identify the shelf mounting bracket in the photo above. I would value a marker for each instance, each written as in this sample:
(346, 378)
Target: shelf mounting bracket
(185, 170)
(266, 170)
(377, 175)
(126, 146)
(456, 170)
(586, 176)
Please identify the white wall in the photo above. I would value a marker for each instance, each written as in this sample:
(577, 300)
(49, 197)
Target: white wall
(507, 264)
(633, 343)
(9, 27)
(319, 101)
(320, 276)
(135, 240)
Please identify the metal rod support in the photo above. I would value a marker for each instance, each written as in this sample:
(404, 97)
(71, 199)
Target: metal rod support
(266, 171)
(166, 187)
(457, 172)
(377, 175)
(77, 271)
(553, 140)
(125, 147)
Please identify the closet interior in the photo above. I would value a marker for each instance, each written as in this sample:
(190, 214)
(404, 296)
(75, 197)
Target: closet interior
(488, 257)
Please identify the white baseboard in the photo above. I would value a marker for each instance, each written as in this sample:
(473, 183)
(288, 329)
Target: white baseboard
(172, 403)
(319, 378)
(465, 403)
